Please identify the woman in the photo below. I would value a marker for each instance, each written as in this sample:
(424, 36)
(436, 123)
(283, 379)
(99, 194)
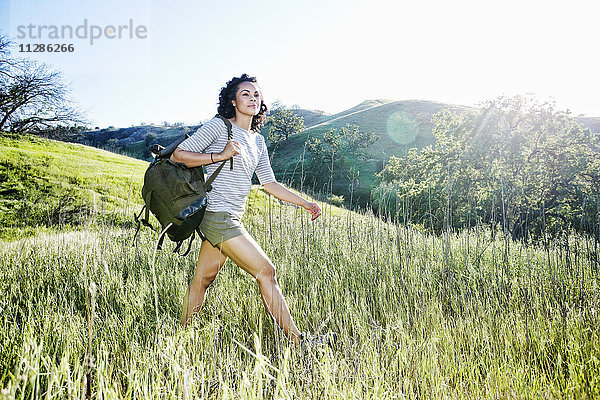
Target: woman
(242, 103)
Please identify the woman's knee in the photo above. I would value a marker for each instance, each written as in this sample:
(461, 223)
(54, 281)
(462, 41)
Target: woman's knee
(267, 272)
(205, 274)
(209, 264)
(207, 280)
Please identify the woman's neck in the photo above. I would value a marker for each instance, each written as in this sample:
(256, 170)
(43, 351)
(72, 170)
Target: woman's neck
(243, 121)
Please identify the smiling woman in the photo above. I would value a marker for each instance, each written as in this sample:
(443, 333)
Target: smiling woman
(245, 98)
(240, 101)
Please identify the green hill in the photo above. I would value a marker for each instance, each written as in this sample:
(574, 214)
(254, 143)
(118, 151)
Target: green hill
(46, 183)
(399, 125)
(51, 184)
(312, 117)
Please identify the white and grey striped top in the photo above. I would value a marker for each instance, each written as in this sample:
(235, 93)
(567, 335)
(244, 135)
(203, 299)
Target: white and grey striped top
(231, 187)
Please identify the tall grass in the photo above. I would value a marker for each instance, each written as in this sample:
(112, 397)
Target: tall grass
(417, 316)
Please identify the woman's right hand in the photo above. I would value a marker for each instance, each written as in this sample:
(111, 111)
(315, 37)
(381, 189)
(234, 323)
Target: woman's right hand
(231, 149)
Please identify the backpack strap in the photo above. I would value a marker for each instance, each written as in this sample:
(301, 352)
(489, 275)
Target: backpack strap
(142, 221)
(229, 132)
(136, 217)
(189, 245)
(200, 234)
(209, 181)
(146, 220)
(161, 238)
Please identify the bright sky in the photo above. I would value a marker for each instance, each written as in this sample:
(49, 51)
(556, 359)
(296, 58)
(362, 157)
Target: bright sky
(328, 55)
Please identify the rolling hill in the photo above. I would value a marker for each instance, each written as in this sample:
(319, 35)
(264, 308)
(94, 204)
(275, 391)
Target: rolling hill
(399, 126)
(47, 183)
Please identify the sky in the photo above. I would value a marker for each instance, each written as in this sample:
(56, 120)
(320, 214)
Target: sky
(172, 58)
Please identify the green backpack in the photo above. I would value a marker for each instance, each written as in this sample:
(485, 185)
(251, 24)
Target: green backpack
(176, 194)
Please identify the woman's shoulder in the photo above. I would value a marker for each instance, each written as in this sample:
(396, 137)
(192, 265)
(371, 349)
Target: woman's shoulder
(215, 122)
(213, 126)
(260, 141)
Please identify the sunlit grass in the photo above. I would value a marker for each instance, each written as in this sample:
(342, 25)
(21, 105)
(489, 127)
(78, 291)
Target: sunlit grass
(47, 183)
(417, 316)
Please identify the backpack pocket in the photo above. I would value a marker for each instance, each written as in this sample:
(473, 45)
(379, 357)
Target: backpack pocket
(182, 181)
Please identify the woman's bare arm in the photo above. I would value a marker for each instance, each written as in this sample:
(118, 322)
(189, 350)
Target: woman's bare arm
(194, 159)
(281, 192)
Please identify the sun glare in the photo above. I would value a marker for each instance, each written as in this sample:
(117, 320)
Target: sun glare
(402, 127)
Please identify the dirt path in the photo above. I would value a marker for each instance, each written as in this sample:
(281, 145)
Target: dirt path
(343, 116)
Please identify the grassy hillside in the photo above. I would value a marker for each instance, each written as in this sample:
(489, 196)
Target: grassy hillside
(399, 125)
(45, 183)
(311, 117)
(463, 316)
(470, 315)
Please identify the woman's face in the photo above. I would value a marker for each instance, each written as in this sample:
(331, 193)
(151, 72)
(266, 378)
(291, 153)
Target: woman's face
(248, 99)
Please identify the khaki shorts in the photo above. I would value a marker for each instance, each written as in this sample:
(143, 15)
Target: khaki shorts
(218, 227)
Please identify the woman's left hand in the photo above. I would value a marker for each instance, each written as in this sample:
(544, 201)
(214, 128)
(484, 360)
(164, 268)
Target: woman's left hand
(312, 208)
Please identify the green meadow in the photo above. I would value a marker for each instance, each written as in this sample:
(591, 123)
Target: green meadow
(46, 183)
(87, 312)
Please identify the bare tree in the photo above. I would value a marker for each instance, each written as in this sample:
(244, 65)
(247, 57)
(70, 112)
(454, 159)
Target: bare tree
(32, 94)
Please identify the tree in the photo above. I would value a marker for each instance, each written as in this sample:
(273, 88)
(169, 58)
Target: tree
(282, 123)
(356, 141)
(338, 151)
(32, 95)
(517, 163)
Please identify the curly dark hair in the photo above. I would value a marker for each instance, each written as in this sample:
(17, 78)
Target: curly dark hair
(227, 95)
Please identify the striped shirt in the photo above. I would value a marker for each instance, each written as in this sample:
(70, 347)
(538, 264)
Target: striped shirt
(231, 187)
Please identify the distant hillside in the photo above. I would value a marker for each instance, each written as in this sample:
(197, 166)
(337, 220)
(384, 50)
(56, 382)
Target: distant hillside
(132, 141)
(312, 117)
(593, 123)
(400, 123)
(46, 183)
(399, 126)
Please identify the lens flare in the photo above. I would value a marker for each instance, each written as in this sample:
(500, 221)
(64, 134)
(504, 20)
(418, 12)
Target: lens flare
(402, 127)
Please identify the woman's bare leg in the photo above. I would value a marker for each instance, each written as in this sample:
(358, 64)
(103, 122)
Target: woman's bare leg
(210, 261)
(248, 255)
